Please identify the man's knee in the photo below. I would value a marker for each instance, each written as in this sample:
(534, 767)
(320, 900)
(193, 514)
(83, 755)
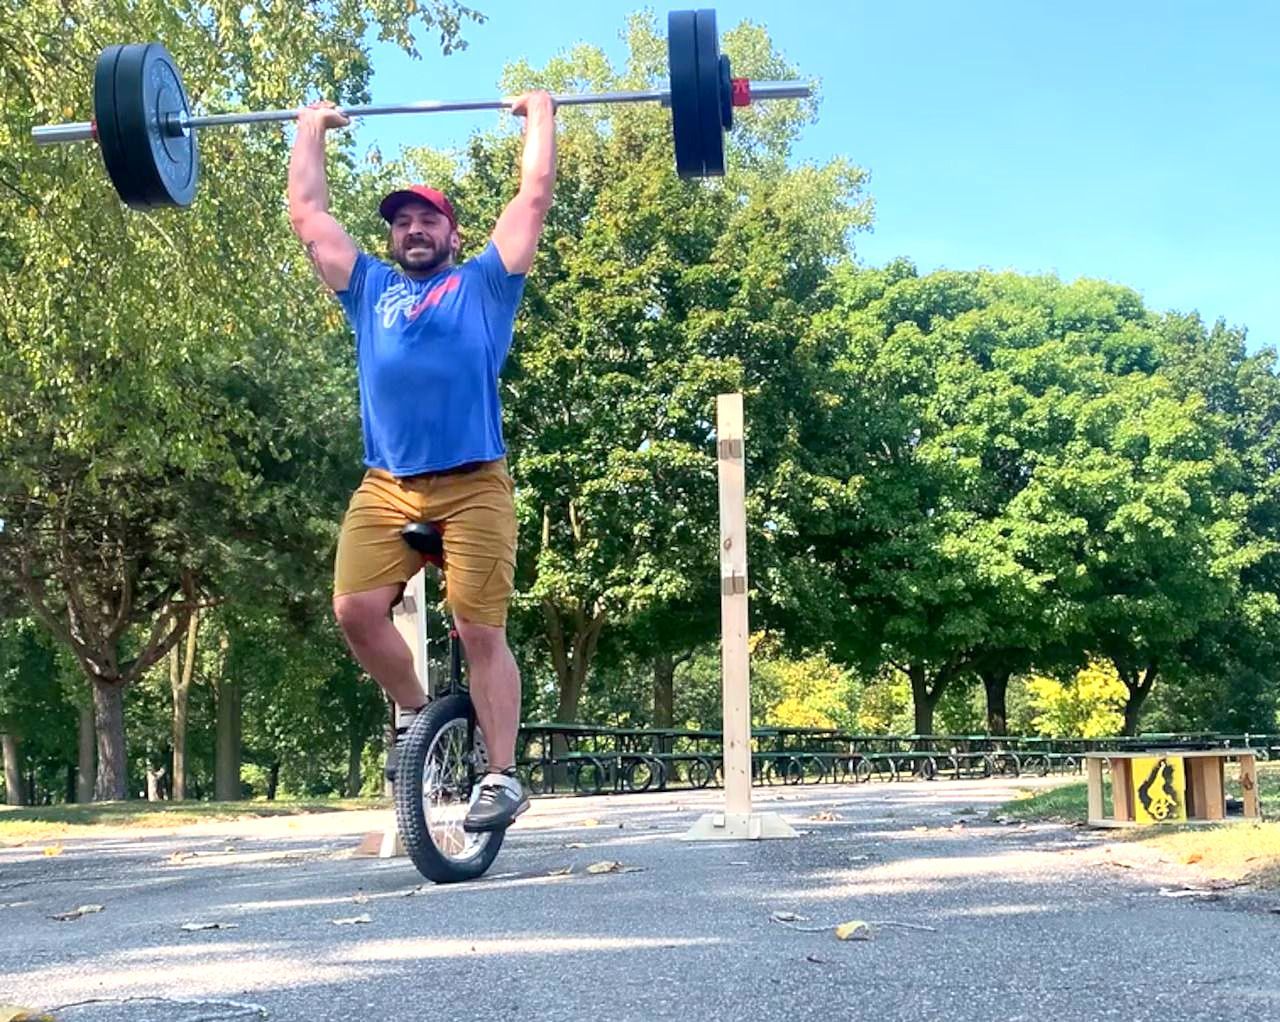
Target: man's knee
(360, 615)
(479, 639)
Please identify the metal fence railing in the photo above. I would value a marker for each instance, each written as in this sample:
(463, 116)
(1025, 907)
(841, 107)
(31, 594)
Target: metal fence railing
(591, 760)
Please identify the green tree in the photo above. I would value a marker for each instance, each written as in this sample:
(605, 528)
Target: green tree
(149, 423)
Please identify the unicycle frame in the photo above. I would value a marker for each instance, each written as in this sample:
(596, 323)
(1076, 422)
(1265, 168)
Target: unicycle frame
(422, 833)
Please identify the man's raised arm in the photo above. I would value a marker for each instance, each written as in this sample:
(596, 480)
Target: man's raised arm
(330, 248)
(519, 227)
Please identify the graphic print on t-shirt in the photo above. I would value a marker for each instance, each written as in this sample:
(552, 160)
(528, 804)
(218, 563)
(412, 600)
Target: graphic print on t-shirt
(402, 299)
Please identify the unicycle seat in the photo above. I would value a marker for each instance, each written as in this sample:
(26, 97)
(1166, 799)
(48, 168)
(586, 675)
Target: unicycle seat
(427, 538)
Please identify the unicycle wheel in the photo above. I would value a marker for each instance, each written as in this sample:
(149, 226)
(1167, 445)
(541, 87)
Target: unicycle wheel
(438, 769)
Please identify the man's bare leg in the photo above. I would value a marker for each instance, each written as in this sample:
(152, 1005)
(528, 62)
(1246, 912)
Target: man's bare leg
(377, 646)
(495, 689)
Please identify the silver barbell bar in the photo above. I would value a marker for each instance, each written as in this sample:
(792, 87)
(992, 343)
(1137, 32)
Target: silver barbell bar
(179, 124)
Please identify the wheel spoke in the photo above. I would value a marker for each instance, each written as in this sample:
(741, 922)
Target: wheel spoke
(446, 794)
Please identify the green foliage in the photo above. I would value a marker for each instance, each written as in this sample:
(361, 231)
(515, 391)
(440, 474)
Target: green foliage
(808, 692)
(1089, 705)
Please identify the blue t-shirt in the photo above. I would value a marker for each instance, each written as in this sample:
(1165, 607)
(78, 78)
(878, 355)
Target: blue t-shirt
(428, 354)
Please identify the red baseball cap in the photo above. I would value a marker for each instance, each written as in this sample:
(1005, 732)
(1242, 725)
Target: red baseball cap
(418, 193)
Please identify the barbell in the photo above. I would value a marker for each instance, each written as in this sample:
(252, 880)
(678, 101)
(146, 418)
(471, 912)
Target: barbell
(143, 123)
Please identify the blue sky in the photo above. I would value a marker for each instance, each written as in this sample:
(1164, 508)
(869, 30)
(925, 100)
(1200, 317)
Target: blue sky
(1130, 140)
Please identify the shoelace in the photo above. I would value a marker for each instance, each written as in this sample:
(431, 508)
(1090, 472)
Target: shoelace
(491, 792)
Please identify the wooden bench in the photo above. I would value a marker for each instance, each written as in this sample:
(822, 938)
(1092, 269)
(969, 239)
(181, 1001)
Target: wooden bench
(1170, 786)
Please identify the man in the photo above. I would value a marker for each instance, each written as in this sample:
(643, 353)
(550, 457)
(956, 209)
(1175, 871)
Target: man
(431, 339)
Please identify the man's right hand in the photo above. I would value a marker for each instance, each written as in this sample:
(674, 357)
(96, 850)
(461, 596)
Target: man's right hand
(324, 114)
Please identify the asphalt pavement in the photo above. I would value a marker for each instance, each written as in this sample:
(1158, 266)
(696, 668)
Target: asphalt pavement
(969, 918)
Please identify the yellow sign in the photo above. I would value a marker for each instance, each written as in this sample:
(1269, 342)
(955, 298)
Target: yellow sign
(1159, 790)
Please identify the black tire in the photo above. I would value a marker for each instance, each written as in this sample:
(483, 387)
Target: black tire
(700, 772)
(785, 771)
(815, 769)
(588, 776)
(445, 722)
(641, 773)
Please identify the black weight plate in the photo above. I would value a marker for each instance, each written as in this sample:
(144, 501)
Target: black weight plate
(726, 92)
(105, 125)
(682, 68)
(162, 167)
(710, 126)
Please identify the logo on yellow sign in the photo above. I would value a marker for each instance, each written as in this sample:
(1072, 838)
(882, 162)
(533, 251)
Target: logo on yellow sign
(1160, 790)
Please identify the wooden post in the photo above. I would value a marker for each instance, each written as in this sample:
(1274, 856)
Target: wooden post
(1249, 785)
(737, 820)
(734, 624)
(410, 618)
(1094, 767)
(1122, 789)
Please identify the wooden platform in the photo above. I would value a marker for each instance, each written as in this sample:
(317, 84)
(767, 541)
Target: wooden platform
(1170, 787)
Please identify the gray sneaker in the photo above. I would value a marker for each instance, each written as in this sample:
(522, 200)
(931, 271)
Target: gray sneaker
(502, 798)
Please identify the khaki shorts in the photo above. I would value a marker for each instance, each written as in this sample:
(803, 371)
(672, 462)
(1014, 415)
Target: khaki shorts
(477, 510)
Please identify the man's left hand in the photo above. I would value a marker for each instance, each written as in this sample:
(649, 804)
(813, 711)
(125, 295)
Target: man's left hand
(533, 102)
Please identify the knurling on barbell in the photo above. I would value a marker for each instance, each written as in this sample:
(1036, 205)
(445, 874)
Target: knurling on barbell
(147, 133)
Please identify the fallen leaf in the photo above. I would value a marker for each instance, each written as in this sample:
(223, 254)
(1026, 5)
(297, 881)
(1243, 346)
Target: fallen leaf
(192, 927)
(360, 899)
(76, 913)
(229, 848)
(826, 816)
(576, 844)
(610, 866)
(352, 920)
(53, 850)
(177, 858)
(787, 917)
(589, 823)
(1186, 892)
(855, 930)
(564, 871)
(1193, 857)
(12, 1013)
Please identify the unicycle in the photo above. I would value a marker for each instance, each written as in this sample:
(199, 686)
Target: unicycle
(440, 762)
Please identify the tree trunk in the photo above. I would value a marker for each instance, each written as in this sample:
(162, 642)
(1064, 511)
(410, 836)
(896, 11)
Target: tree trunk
(355, 752)
(108, 722)
(571, 654)
(1139, 683)
(14, 788)
(925, 696)
(1133, 710)
(664, 700)
(84, 757)
(155, 782)
(273, 780)
(996, 683)
(226, 780)
(180, 682)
